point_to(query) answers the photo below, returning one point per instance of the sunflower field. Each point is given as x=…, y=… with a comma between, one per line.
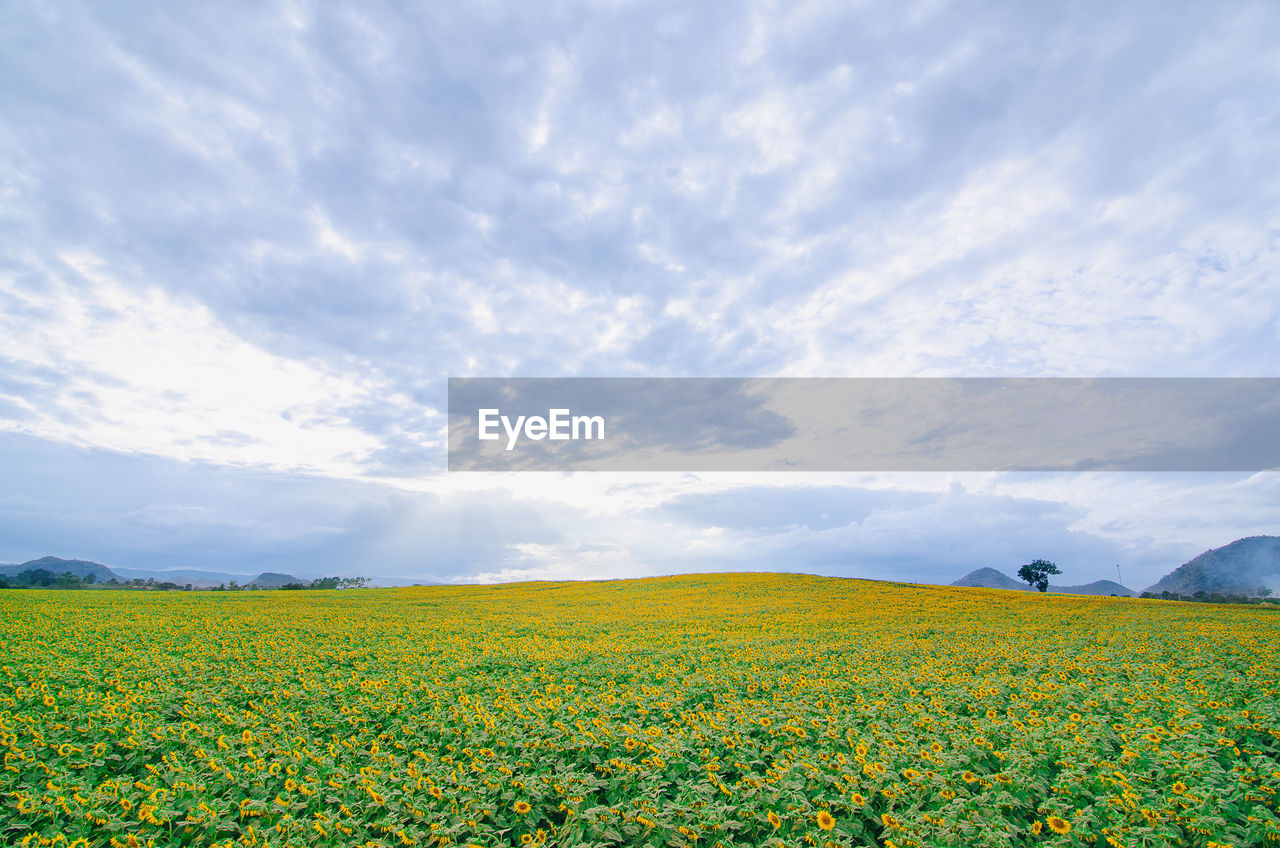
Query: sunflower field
x=705, y=710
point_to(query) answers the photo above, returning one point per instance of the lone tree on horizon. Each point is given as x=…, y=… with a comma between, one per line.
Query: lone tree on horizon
x=1037, y=573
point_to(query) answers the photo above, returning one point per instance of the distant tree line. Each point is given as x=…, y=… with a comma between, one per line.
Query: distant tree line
x=42, y=578
x=1260, y=595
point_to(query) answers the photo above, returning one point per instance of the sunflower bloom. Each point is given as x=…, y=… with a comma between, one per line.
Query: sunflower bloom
x=521, y=807
x=1058, y=825
x=825, y=821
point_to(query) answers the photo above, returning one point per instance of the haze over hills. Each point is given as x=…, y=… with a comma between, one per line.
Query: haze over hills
x=1097, y=587
x=102, y=574
x=79, y=567
x=198, y=578
x=182, y=576
x=272, y=579
x=1242, y=567
x=990, y=578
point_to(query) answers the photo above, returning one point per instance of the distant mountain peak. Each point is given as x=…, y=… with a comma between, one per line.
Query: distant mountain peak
x=79, y=567
x=1240, y=568
x=272, y=579
x=990, y=578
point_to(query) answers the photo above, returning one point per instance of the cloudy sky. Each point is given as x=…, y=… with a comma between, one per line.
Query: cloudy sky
x=245, y=246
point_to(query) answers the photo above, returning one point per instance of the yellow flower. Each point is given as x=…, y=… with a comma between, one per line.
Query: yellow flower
x=1179, y=788
x=969, y=777
x=49, y=700
x=825, y=821
x=889, y=821
x=857, y=799
x=1037, y=827
x=1058, y=825
x=774, y=820
x=521, y=807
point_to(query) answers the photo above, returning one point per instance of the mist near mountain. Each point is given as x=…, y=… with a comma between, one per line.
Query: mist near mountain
x=990, y=578
x=1241, y=568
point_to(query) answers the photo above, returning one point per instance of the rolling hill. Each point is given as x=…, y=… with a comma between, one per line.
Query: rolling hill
x=272, y=579
x=1241, y=568
x=102, y=574
x=198, y=579
x=990, y=578
x=1097, y=587
x=79, y=567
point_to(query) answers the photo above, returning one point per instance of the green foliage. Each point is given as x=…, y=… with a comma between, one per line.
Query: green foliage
x=1203, y=597
x=1037, y=573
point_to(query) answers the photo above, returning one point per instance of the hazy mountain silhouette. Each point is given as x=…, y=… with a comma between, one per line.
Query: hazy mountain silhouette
x=1241, y=568
x=990, y=578
x=270, y=579
x=81, y=568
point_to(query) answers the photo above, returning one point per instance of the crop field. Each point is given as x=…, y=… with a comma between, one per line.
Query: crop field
x=699, y=711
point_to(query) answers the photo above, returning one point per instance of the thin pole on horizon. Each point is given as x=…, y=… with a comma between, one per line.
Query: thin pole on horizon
x=1119, y=579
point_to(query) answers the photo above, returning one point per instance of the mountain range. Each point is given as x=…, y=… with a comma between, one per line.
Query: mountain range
x=1243, y=567
x=989, y=578
x=103, y=574
x=1240, y=568
x=79, y=567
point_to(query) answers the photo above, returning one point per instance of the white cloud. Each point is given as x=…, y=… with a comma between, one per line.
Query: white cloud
x=148, y=372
